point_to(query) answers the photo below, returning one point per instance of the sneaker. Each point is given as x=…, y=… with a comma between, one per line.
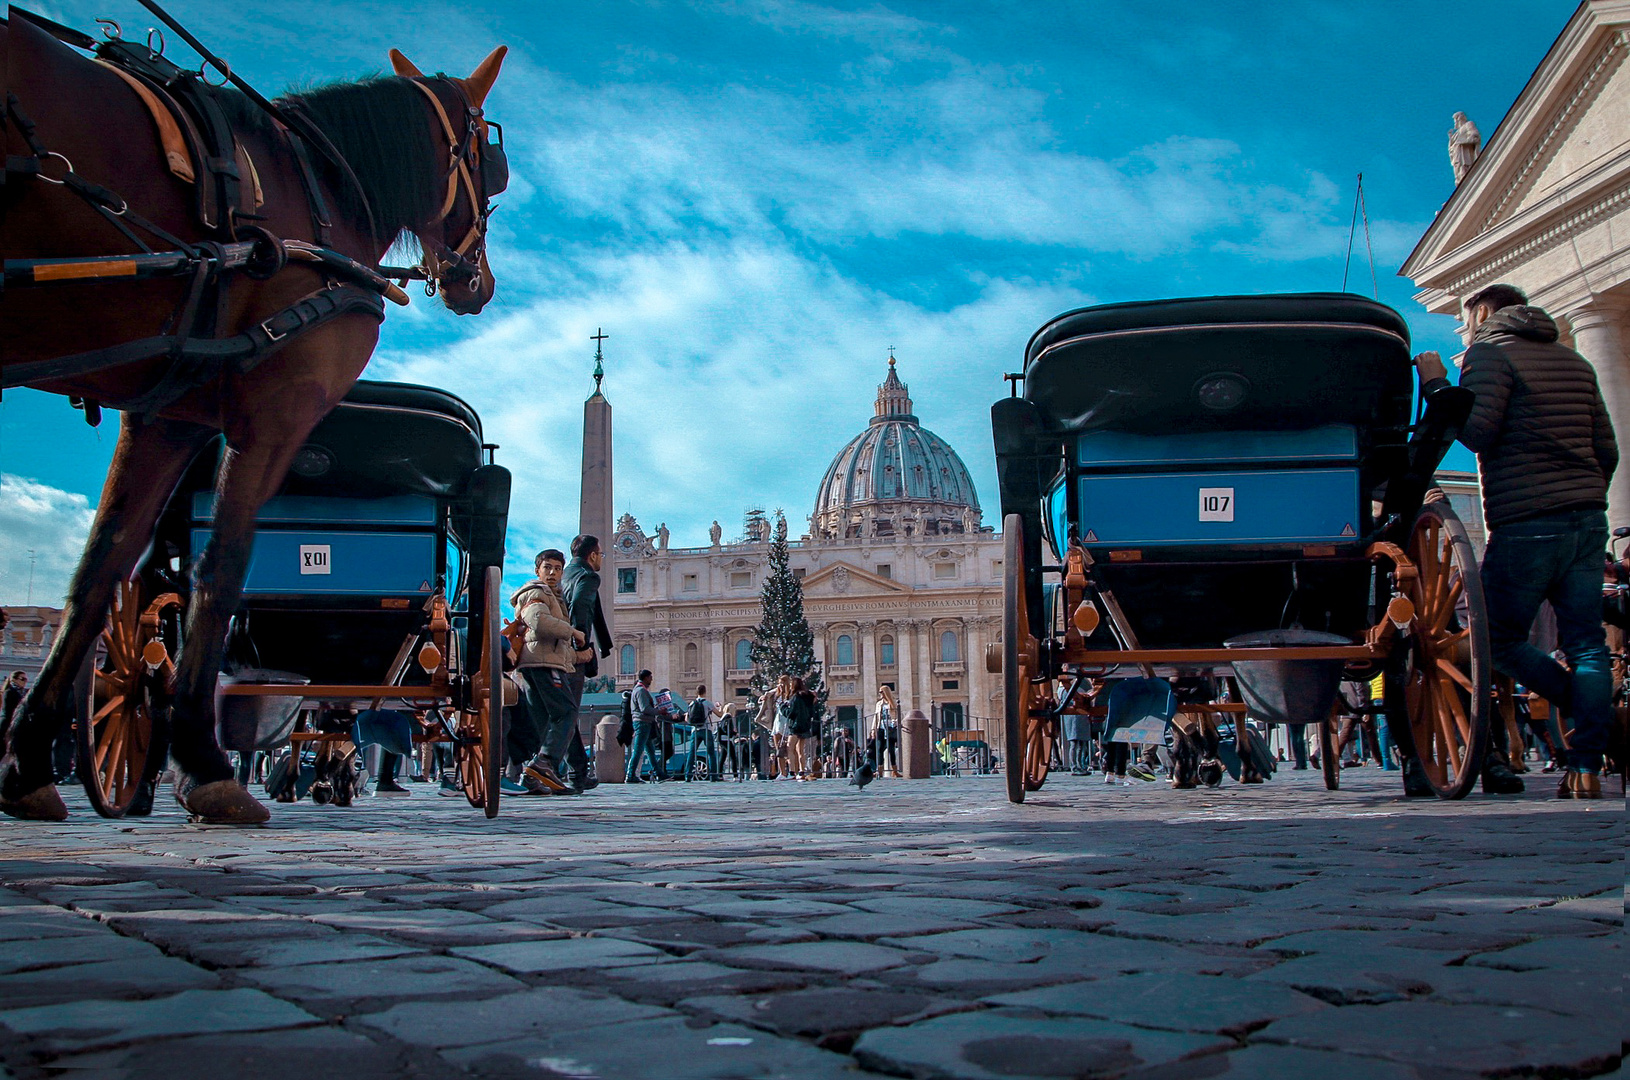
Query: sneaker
x=506, y=786
x=1109, y=778
x=540, y=773
x=1140, y=771
x=390, y=789
x=450, y=788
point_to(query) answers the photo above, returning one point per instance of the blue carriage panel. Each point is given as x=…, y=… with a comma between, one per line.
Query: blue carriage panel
x=1332, y=443
x=1280, y=506
x=313, y=562
x=398, y=510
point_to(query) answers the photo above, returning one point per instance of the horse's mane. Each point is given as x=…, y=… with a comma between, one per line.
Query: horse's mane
x=380, y=125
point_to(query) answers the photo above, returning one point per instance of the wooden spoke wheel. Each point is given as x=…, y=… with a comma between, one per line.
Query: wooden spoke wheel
x=1330, y=748
x=119, y=746
x=1028, y=736
x=1447, y=691
x=480, y=755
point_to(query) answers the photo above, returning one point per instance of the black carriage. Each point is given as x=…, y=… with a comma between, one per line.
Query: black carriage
x=1236, y=489
x=374, y=585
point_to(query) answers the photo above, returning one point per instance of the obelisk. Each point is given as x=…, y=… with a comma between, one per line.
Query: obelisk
x=594, y=508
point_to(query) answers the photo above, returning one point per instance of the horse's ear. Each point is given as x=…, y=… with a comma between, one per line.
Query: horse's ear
x=403, y=66
x=484, y=75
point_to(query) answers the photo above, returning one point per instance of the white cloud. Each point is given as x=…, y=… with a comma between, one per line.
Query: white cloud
x=47, y=522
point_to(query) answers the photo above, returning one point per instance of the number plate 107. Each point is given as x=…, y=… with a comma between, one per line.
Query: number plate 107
x=1217, y=504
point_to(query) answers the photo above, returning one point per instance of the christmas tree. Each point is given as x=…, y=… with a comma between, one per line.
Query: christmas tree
x=782, y=642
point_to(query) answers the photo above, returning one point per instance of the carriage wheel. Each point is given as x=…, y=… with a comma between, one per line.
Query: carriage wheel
x=1330, y=748
x=115, y=726
x=1028, y=738
x=480, y=754
x=1447, y=683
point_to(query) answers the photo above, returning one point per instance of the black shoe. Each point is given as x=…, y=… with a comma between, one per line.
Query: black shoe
x=1498, y=779
x=1416, y=785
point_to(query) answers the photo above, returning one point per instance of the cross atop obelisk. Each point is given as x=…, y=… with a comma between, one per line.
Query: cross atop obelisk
x=599, y=338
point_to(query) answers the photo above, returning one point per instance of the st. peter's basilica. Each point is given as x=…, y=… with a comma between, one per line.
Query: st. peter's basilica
x=902, y=582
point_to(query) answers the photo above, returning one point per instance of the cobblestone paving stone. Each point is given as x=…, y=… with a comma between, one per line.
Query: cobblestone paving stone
x=924, y=929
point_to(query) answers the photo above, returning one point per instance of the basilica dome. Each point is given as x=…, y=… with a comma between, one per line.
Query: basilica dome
x=896, y=478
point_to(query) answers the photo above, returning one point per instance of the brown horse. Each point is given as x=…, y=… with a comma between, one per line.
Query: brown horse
x=414, y=149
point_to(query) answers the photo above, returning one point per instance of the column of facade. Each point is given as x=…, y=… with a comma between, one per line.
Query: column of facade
x=661, y=658
x=715, y=665
x=868, y=665
x=904, y=690
x=926, y=683
x=819, y=633
x=1599, y=336
x=974, y=660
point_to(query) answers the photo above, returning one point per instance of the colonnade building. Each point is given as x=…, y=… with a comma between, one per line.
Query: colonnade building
x=902, y=583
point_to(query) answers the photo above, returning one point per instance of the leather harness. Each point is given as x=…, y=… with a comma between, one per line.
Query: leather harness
x=198, y=143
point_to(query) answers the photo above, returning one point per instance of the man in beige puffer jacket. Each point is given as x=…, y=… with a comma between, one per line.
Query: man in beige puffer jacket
x=548, y=658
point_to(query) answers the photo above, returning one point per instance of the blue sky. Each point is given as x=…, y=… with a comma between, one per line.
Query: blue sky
x=756, y=200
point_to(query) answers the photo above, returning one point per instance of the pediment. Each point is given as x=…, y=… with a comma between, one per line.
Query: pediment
x=1565, y=125
x=843, y=578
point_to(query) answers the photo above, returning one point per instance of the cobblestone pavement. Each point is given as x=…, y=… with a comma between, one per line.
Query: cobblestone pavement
x=808, y=930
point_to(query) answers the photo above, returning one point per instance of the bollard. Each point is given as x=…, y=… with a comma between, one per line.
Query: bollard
x=915, y=736
x=608, y=752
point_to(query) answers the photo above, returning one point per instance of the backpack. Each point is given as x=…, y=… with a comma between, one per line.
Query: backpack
x=697, y=715
x=625, y=730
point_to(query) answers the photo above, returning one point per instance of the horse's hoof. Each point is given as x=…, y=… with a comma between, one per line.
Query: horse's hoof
x=41, y=804
x=223, y=802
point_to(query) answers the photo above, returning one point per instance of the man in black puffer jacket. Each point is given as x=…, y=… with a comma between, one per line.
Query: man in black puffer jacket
x=1546, y=452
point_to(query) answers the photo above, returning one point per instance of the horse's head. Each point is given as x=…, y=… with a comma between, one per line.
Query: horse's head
x=455, y=243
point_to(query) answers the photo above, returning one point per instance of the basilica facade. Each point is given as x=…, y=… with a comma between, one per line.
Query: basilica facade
x=902, y=583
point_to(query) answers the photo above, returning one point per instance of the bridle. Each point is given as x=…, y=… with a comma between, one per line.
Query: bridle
x=469, y=154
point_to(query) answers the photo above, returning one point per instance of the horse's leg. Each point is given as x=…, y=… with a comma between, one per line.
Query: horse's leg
x=147, y=461
x=251, y=472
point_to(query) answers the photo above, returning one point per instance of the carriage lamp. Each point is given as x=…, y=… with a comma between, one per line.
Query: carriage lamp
x=1221, y=391
x=1401, y=611
x=154, y=653
x=993, y=658
x=430, y=656
x=1086, y=618
x=311, y=461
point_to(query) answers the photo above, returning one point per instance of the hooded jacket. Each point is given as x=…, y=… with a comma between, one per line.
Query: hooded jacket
x=548, y=634
x=1541, y=433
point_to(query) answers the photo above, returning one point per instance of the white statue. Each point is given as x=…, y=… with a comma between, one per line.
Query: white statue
x=662, y=537
x=715, y=532
x=1464, y=142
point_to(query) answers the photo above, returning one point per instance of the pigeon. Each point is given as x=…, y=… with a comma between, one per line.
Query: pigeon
x=862, y=776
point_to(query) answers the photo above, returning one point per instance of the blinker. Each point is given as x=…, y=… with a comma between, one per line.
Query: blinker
x=494, y=164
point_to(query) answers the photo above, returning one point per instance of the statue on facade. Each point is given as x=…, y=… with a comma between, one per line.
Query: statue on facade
x=780, y=528
x=716, y=532
x=662, y=537
x=1464, y=142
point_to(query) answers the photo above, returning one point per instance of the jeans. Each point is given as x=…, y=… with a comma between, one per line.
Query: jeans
x=1557, y=557
x=1296, y=735
x=548, y=699
x=699, y=734
x=649, y=743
